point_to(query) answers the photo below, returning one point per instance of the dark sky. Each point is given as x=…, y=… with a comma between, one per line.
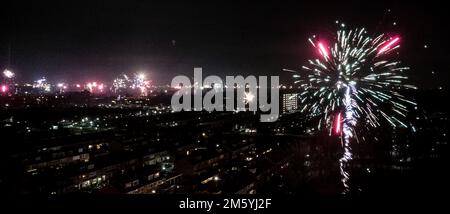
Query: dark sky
x=77, y=41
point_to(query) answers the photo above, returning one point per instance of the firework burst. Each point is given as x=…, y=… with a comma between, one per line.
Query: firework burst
x=354, y=80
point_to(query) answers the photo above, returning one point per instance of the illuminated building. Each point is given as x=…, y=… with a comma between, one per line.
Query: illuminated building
x=289, y=102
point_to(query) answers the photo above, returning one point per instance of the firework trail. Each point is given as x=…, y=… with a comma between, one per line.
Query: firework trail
x=354, y=80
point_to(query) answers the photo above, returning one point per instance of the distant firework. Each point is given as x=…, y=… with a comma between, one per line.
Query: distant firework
x=42, y=85
x=8, y=74
x=137, y=82
x=4, y=88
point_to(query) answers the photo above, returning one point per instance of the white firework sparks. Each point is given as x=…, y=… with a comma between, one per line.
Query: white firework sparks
x=139, y=81
x=362, y=63
x=356, y=78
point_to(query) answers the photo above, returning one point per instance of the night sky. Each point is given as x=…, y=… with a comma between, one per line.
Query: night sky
x=82, y=41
